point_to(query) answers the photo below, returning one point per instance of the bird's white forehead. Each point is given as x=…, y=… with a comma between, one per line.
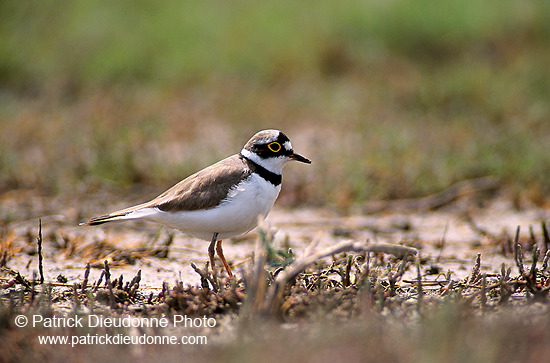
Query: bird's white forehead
x=287, y=145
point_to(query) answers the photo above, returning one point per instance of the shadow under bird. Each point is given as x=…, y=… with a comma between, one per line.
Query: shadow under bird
x=224, y=200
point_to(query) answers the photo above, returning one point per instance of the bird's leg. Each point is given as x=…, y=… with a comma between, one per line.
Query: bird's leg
x=211, y=250
x=222, y=257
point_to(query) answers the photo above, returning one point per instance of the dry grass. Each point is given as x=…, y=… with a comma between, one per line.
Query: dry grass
x=365, y=306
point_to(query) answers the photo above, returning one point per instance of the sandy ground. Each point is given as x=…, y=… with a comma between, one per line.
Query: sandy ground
x=445, y=238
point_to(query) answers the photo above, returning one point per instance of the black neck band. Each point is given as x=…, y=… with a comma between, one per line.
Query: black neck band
x=270, y=176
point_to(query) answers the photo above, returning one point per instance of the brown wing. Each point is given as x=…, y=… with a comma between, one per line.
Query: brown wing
x=204, y=189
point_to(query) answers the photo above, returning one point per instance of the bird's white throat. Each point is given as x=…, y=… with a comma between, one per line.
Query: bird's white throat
x=273, y=164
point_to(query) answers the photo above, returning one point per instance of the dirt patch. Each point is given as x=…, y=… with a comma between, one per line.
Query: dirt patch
x=474, y=259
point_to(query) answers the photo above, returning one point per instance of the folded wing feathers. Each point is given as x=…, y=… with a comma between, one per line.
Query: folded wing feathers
x=199, y=191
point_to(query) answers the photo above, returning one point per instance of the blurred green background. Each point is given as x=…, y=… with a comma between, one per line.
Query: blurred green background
x=390, y=99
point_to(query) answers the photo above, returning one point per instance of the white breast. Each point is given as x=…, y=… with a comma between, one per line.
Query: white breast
x=246, y=204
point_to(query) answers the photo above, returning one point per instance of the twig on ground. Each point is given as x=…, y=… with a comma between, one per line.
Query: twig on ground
x=420, y=291
x=21, y=280
x=545, y=261
x=392, y=278
x=112, y=299
x=118, y=283
x=346, y=279
x=203, y=276
x=476, y=275
x=448, y=283
x=505, y=289
x=546, y=236
x=533, y=270
x=518, y=255
x=275, y=292
x=99, y=281
x=40, y=259
x=134, y=285
x=86, y=276
x=33, y=281
x=107, y=271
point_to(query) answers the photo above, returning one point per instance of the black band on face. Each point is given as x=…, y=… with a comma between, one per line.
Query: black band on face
x=273, y=178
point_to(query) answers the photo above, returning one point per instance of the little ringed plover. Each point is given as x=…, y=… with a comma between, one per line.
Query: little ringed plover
x=223, y=200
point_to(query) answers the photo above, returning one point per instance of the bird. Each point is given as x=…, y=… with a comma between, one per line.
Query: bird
x=224, y=200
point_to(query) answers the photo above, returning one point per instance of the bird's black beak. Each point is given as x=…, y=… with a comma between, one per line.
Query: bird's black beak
x=299, y=158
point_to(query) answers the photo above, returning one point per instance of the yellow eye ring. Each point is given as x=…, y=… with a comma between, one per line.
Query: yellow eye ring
x=274, y=146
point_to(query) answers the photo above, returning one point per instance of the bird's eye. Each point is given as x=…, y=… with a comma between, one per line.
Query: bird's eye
x=274, y=146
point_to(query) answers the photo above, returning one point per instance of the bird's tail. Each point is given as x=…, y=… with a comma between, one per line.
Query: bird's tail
x=136, y=212
x=103, y=219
